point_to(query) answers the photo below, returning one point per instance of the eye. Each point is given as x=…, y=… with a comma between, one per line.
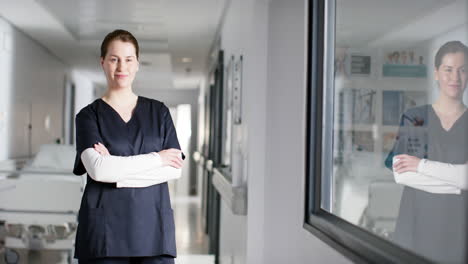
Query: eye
x=113, y=59
x=129, y=60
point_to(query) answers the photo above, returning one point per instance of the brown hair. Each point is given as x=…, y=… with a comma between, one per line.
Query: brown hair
x=450, y=47
x=122, y=35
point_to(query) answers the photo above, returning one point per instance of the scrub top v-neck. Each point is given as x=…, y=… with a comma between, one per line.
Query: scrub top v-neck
x=124, y=222
x=117, y=114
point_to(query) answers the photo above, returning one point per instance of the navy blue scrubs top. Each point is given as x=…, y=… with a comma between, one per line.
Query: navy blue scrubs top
x=125, y=222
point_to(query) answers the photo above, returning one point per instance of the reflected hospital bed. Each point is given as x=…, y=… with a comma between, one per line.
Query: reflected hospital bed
x=39, y=203
x=367, y=194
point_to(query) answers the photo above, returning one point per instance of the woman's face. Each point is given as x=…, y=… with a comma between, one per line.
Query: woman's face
x=120, y=64
x=451, y=75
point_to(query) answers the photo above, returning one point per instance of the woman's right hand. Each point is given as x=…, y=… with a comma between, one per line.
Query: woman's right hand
x=171, y=157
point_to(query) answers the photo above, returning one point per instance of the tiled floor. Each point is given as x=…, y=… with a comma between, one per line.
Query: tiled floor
x=192, y=243
x=194, y=259
x=190, y=237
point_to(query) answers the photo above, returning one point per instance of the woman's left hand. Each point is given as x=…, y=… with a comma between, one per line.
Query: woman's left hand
x=405, y=163
x=99, y=147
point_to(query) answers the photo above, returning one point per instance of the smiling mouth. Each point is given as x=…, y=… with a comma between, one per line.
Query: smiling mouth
x=120, y=75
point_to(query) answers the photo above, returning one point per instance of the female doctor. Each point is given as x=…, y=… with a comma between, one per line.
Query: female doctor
x=129, y=149
x=430, y=158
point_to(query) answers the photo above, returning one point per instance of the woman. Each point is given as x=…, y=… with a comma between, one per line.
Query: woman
x=128, y=146
x=432, y=139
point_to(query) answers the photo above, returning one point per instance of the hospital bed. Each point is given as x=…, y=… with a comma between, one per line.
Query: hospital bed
x=367, y=194
x=39, y=203
x=381, y=212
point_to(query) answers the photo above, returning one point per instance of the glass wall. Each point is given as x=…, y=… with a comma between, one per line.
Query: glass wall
x=395, y=123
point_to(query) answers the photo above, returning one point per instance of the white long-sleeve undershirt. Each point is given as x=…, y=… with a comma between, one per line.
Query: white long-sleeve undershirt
x=436, y=177
x=133, y=171
x=425, y=183
x=160, y=175
x=453, y=174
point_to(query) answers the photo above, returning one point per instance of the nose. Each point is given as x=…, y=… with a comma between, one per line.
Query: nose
x=456, y=76
x=121, y=65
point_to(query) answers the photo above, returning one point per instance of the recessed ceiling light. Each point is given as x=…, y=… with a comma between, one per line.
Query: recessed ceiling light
x=186, y=60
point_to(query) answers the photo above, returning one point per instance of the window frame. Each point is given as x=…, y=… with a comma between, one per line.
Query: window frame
x=227, y=127
x=354, y=242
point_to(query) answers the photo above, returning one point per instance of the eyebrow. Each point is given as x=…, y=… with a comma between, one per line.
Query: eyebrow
x=448, y=66
x=131, y=56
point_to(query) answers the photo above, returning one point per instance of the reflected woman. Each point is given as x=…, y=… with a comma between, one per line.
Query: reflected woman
x=428, y=158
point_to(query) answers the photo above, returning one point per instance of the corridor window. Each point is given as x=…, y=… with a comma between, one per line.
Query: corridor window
x=388, y=127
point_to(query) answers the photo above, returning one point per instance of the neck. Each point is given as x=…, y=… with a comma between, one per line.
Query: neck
x=449, y=105
x=119, y=96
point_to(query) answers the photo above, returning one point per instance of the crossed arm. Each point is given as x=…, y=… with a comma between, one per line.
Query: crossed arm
x=430, y=176
x=133, y=171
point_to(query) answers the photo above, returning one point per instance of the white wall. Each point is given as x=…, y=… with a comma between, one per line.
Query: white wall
x=32, y=87
x=271, y=36
x=32, y=91
x=245, y=33
x=6, y=86
x=255, y=104
x=286, y=240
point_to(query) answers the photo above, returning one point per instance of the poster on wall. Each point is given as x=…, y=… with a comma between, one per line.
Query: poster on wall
x=395, y=103
x=357, y=106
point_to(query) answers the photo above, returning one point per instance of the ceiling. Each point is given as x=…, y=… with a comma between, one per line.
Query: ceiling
x=167, y=32
x=398, y=22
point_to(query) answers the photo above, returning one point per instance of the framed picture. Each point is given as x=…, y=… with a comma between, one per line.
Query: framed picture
x=357, y=106
x=237, y=91
x=227, y=112
x=360, y=64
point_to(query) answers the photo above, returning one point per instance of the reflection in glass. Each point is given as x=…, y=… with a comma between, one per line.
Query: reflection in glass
x=435, y=132
x=398, y=88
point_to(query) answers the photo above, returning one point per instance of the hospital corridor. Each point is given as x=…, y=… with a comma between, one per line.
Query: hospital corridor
x=233, y=131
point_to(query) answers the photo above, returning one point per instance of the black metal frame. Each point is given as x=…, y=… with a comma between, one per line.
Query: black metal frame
x=354, y=242
x=212, y=151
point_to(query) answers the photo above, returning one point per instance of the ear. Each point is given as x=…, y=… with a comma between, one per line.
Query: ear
x=436, y=74
x=102, y=61
x=138, y=66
